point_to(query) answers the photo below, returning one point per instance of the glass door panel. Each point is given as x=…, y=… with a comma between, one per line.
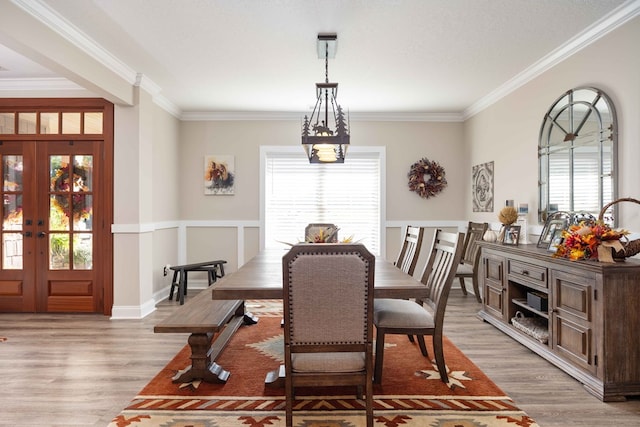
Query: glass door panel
x=12, y=226
x=70, y=212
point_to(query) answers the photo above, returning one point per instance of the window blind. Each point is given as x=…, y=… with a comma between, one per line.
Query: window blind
x=585, y=184
x=298, y=193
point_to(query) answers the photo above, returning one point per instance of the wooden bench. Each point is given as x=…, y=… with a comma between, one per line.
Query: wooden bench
x=214, y=269
x=204, y=317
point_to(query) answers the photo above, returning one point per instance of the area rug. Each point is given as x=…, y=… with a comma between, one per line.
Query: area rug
x=411, y=393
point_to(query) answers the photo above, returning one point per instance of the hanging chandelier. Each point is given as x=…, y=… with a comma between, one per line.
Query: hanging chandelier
x=325, y=135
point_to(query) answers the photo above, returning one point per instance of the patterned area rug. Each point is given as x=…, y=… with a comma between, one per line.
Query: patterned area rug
x=411, y=393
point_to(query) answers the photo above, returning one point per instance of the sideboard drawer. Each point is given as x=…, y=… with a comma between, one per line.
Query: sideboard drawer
x=530, y=273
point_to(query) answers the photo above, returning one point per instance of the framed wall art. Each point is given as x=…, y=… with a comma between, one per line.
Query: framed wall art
x=219, y=174
x=482, y=187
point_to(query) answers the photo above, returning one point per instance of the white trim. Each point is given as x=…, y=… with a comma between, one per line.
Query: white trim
x=133, y=311
x=52, y=19
x=599, y=29
x=48, y=16
x=461, y=225
x=39, y=84
x=297, y=116
x=223, y=223
x=133, y=228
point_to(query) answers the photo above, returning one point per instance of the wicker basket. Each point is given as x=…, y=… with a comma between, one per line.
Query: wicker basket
x=535, y=327
x=632, y=247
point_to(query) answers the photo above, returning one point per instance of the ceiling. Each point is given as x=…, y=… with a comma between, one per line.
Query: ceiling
x=393, y=56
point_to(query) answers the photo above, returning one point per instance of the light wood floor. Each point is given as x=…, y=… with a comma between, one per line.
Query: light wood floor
x=81, y=370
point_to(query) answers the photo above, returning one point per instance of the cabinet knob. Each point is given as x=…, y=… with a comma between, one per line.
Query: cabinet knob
x=525, y=272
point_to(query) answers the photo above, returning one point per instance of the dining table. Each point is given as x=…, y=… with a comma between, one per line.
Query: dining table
x=261, y=278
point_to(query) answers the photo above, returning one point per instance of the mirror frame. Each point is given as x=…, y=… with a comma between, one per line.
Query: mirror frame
x=606, y=120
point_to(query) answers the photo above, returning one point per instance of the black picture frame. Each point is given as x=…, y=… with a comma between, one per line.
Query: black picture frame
x=557, y=220
x=511, y=235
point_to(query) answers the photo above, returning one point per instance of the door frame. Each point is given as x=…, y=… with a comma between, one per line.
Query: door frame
x=104, y=268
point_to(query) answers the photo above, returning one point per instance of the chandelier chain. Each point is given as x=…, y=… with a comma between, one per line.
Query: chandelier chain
x=326, y=62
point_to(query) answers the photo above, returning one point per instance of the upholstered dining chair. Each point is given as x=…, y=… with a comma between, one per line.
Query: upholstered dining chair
x=328, y=319
x=410, y=251
x=420, y=318
x=468, y=266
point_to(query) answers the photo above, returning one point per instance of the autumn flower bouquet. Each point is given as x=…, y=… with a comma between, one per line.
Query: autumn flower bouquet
x=590, y=241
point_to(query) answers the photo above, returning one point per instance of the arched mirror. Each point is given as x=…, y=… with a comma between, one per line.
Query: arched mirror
x=577, y=155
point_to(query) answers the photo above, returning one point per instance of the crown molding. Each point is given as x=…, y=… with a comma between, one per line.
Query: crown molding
x=49, y=17
x=38, y=84
x=599, y=29
x=297, y=116
x=45, y=14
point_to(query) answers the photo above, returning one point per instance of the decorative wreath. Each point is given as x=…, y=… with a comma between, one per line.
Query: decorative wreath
x=65, y=185
x=426, y=178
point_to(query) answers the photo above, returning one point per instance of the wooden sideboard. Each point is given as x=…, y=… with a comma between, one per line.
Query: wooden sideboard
x=592, y=319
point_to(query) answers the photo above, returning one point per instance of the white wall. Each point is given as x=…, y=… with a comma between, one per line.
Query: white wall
x=507, y=132
x=406, y=143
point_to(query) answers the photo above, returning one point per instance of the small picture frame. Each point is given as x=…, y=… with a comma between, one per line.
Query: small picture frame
x=523, y=208
x=556, y=240
x=548, y=232
x=511, y=235
x=556, y=221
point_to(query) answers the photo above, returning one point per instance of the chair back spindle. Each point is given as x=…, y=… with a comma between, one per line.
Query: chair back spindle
x=410, y=251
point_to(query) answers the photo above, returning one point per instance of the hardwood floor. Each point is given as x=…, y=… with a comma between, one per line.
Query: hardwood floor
x=81, y=370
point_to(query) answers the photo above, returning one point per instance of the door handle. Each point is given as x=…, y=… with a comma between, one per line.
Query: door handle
x=28, y=234
x=41, y=234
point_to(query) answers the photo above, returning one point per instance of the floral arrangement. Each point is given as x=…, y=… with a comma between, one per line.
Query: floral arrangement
x=427, y=178
x=328, y=235
x=324, y=235
x=590, y=241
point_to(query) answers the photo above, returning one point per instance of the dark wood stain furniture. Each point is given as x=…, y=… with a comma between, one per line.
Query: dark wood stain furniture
x=214, y=269
x=322, y=346
x=410, y=251
x=468, y=266
x=593, y=315
x=426, y=315
x=203, y=317
x=261, y=278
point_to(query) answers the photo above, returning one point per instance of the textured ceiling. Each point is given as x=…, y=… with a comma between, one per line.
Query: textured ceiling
x=393, y=56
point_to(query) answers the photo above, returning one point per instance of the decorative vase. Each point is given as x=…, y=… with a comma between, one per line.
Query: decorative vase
x=490, y=236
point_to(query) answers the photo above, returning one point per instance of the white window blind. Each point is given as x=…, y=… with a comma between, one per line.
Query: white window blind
x=298, y=193
x=586, y=177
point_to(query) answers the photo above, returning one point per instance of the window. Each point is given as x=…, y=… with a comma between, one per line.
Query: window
x=297, y=193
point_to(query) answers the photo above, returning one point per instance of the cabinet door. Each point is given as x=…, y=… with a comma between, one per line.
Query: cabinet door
x=493, y=285
x=572, y=334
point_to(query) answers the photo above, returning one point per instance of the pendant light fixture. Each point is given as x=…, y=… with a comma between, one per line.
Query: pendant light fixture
x=325, y=135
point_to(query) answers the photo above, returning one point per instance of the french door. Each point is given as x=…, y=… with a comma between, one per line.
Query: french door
x=55, y=242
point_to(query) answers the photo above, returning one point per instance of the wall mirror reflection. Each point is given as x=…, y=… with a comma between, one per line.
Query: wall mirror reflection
x=577, y=154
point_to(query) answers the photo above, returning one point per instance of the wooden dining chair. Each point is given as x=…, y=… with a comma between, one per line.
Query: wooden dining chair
x=312, y=230
x=410, y=251
x=468, y=266
x=328, y=326
x=420, y=318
